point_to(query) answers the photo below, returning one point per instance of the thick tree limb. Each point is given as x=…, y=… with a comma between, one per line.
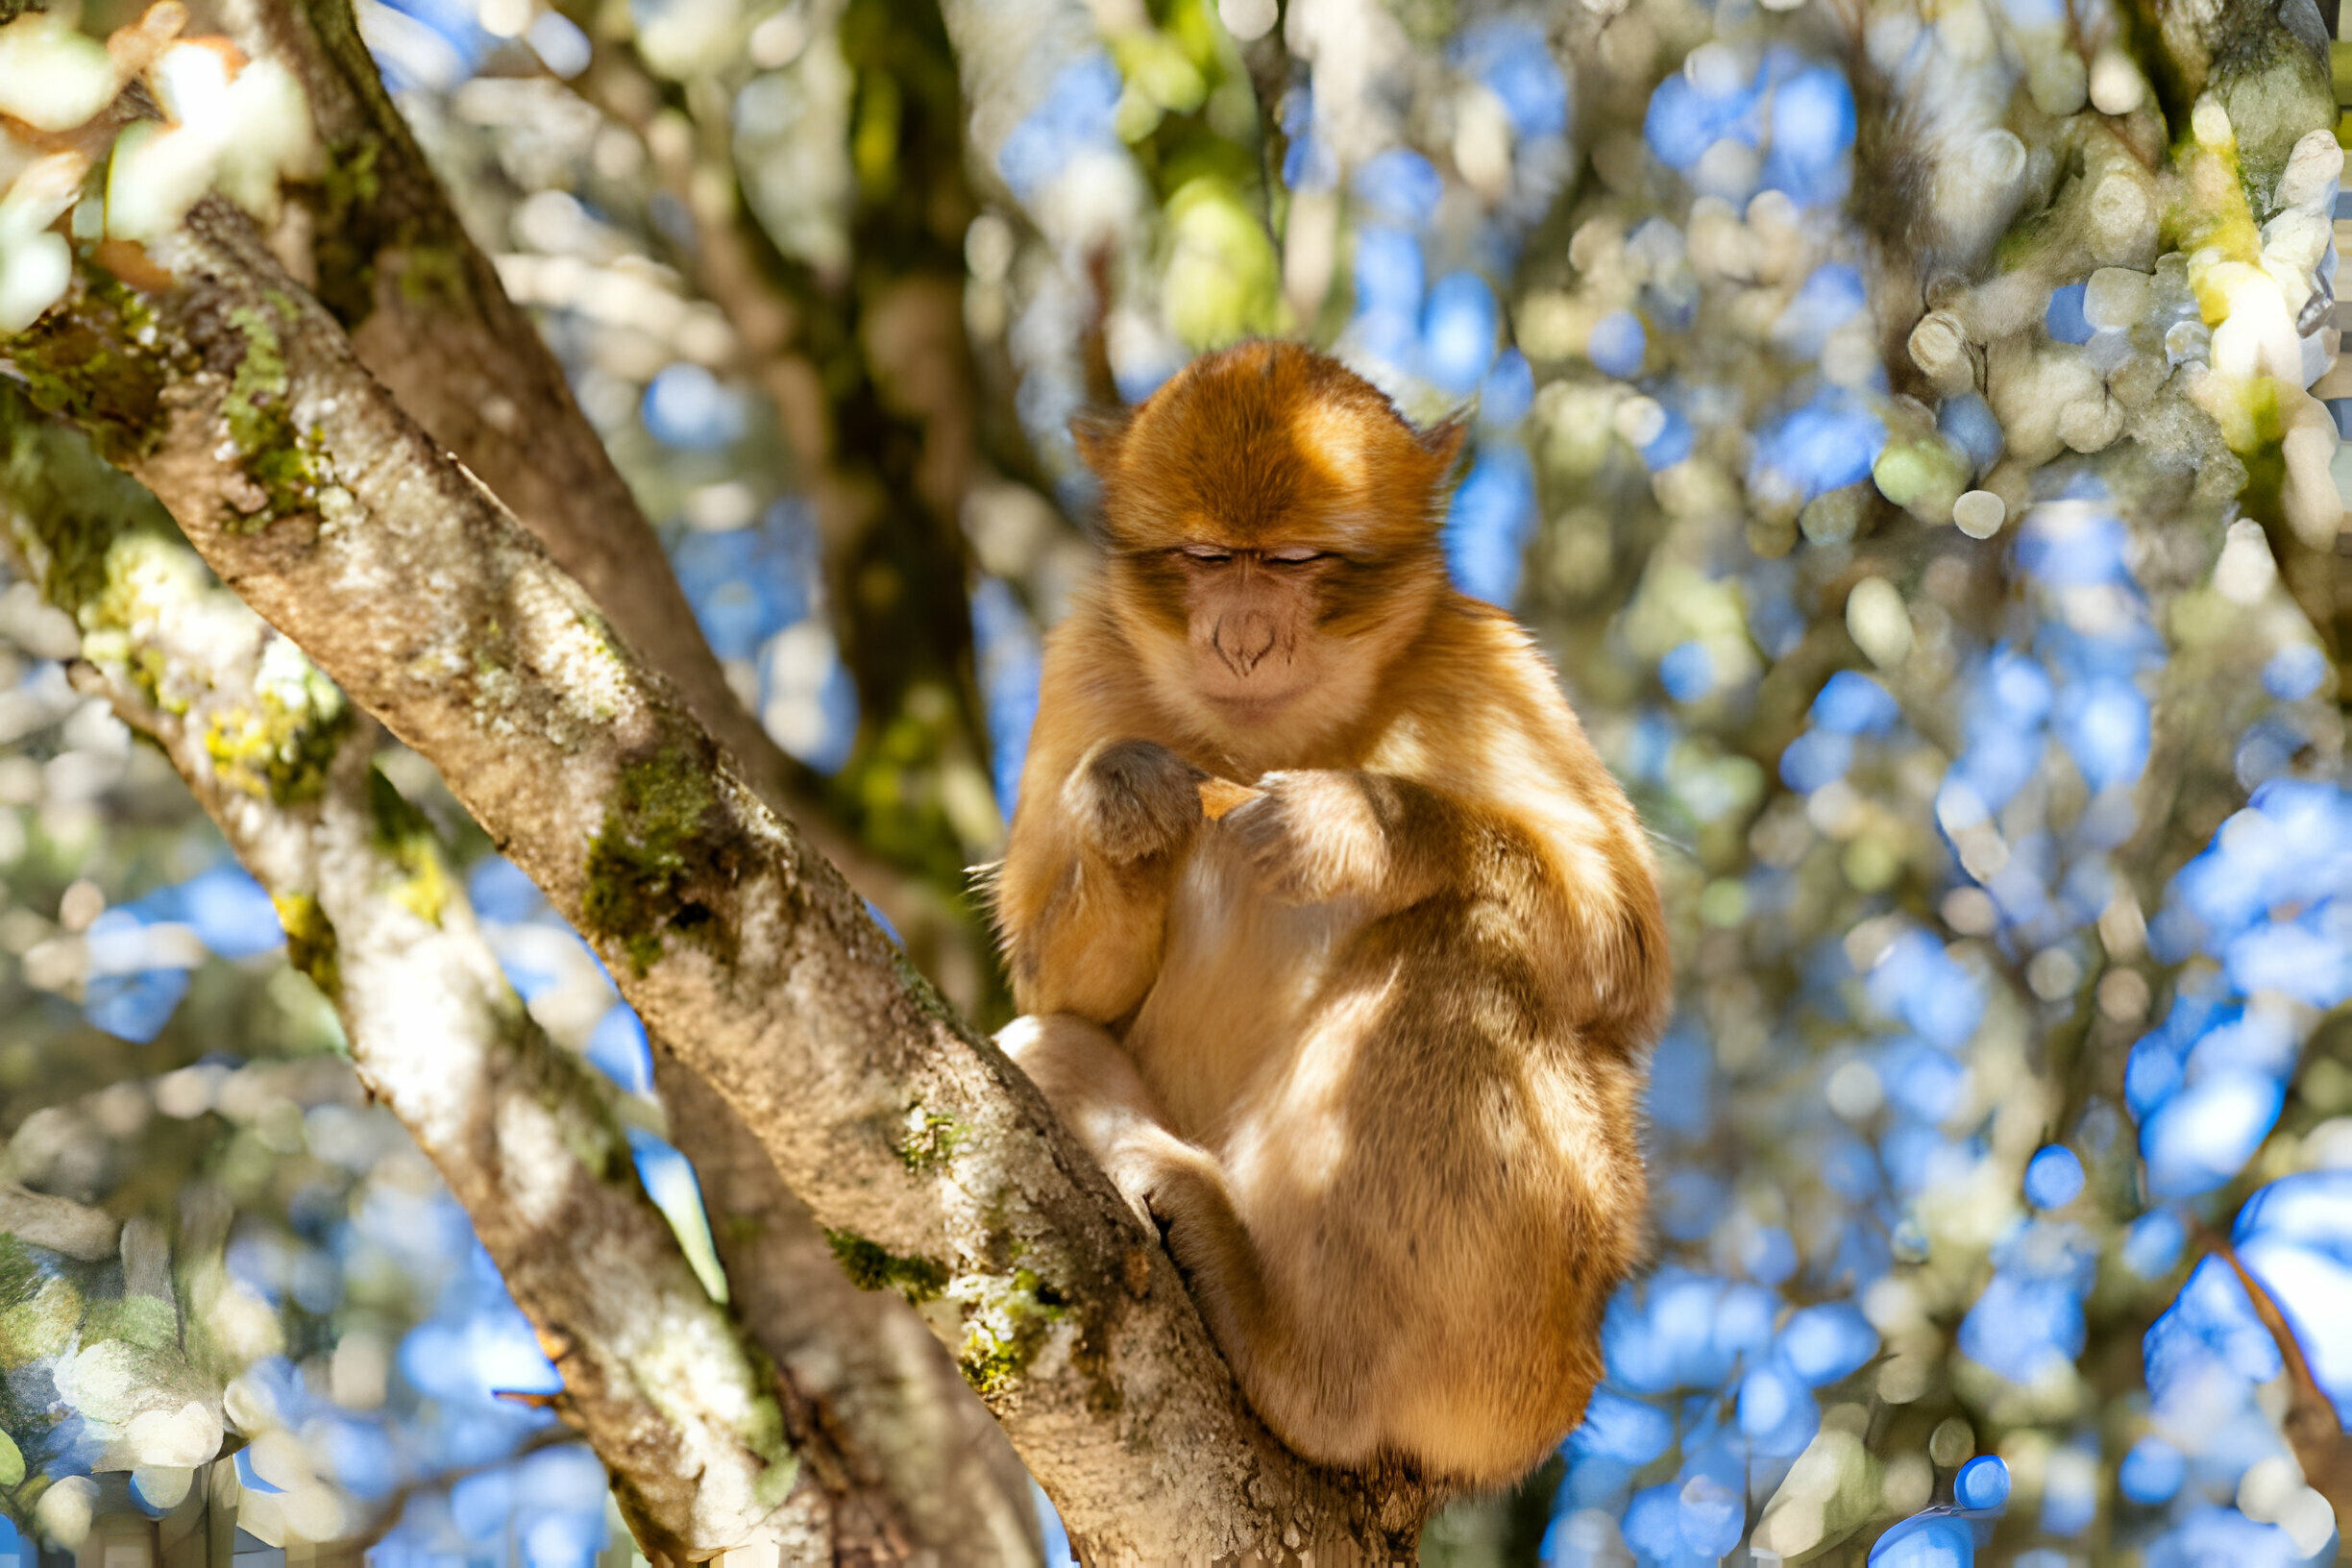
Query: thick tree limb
x=426, y=315
x=870, y=376
x=713, y=1445
x=934, y=1166
x=860, y=1361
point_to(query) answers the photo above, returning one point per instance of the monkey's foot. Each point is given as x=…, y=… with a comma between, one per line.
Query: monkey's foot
x=1094, y=1087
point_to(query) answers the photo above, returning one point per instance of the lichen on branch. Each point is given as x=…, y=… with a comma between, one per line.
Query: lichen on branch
x=645, y=862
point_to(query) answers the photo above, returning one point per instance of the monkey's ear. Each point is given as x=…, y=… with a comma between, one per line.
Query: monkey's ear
x=1443, y=442
x=1099, y=437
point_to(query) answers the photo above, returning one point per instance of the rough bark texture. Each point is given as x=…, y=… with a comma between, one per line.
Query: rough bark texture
x=869, y=373
x=378, y=239
x=883, y=1416
x=934, y=1166
x=717, y=1438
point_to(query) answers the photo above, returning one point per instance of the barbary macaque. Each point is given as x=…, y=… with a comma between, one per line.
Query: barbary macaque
x=1335, y=941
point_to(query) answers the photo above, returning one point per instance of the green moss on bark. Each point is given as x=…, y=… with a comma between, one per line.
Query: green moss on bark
x=362, y=227
x=1006, y=1316
x=871, y=1267
x=345, y=247
x=931, y=1140
x=645, y=862
x=71, y=510
x=98, y=361
x=311, y=939
x=1006, y=1319
x=286, y=463
x=281, y=749
x=409, y=840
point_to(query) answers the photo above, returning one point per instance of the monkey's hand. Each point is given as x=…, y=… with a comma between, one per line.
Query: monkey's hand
x=1134, y=798
x=1315, y=835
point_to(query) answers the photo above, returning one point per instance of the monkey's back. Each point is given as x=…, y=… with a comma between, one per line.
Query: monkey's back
x=1438, y=1177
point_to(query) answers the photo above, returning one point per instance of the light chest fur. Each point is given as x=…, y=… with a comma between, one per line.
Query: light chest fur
x=1239, y=1031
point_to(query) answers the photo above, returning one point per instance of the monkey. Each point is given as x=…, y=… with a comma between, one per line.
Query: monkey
x=1334, y=939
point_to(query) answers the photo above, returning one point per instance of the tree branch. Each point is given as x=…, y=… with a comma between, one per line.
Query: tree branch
x=426, y=313
x=935, y=1167
x=871, y=377
x=870, y=1376
x=2309, y=1424
x=699, y=1428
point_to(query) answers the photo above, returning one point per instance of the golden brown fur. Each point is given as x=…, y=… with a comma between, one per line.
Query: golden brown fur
x=1368, y=1045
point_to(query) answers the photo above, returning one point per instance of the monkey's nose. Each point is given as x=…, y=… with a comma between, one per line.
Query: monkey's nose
x=1243, y=639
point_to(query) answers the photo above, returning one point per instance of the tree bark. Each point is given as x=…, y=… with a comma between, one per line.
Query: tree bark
x=870, y=377
x=380, y=242
x=720, y=1436
x=923, y=1464
x=934, y=1166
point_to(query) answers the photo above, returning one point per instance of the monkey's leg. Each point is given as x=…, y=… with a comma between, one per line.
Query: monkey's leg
x=1289, y=1386
x=1093, y=1087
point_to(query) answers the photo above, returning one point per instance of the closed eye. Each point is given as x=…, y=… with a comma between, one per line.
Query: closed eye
x=1298, y=557
x=1207, y=555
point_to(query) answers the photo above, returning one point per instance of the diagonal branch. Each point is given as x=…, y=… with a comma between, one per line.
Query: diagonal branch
x=2308, y=1423
x=935, y=1167
x=904, y=1431
x=426, y=313
x=713, y=1443
x=869, y=370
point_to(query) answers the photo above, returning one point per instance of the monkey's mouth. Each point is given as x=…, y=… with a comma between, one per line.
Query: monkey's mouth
x=1254, y=691
x=1255, y=704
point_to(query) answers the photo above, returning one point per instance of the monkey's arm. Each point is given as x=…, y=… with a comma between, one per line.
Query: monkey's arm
x=1380, y=838
x=1082, y=898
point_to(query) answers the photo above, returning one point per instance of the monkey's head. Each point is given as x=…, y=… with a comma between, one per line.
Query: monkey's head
x=1272, y=525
